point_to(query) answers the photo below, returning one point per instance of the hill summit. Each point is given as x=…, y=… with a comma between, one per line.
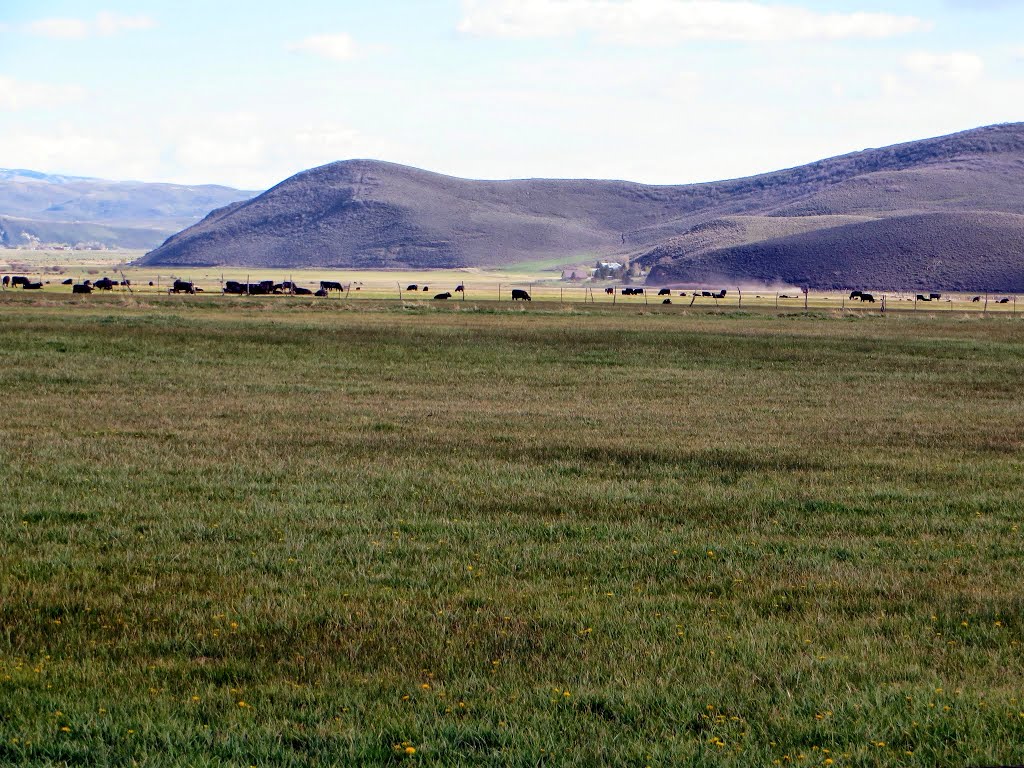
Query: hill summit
x=943, y=213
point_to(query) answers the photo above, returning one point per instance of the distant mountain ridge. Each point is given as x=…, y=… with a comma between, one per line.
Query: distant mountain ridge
x=42, y=208
x=914, y=215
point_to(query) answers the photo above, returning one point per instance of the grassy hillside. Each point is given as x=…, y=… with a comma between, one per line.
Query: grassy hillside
x=300, y=534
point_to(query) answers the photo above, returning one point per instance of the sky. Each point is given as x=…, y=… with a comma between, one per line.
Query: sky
x=656, y=91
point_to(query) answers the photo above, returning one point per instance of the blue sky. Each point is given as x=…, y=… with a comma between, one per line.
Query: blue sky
x=659, y=91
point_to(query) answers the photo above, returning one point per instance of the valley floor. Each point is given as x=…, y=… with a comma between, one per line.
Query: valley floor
x=289, y=533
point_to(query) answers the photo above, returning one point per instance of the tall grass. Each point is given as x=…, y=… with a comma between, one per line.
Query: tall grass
x=283, y=534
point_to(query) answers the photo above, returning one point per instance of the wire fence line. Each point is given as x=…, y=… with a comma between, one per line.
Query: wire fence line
x=527, y=291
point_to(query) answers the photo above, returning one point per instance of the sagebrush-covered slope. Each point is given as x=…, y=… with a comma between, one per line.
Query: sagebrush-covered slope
x=369, y=214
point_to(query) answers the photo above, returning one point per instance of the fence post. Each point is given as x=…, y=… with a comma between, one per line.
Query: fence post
x=399, y=291
x=776, y=299
x=499, y=291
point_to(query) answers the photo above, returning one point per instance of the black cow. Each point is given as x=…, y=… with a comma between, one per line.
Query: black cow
x=667, y=301
x=460, y=289
x=298, y=290
x=517, y=294
x=6, y=280
x=935, y=296
x=426, y=288
x=31, y=286
x=856, y=294
x=632, y=291
x=233, y=287
x=19, y=280
x=976, y=298
x=442, y=296
x=104, y=284
x=706, y=293
x=920, y=297
x=682, y=293
x=609, y=291
x=330, y=285
x=179, y=286
x=869, y=298
x=665, y=292
x=1003, y=301
x=412, y=287
x=719, y=295
x=321, y=294
x=69, y=281
x=81, y=289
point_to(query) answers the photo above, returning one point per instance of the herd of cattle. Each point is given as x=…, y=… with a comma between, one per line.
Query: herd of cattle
x=269, y=287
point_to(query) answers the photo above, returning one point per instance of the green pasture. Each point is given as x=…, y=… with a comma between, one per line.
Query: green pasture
x=290, y=532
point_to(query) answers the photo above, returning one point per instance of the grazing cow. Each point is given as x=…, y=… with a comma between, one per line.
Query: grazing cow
x=321, y=294
x=682, y=293
x=412, y=287
x=298, y=290
x=81, y=289
x=920, y=297
x=330, y=285
x=665, y=292
x=19, y=280
x=869, y=298
x=460, y=289
x=104, y=284
x=667, y=301
x=856, y=294
x=69, y=281
x=517, y=294
x=976, y=298
x=426, y=288
x=233, y=287
x=31, y=286
x=442, y=296
x=150, y=283
x=6, y=280
x=609, y=291
x=632, y=291
x=935, y=296
x=706, y=293
x=180, y=286
x=1003, y=301
x=719, y=295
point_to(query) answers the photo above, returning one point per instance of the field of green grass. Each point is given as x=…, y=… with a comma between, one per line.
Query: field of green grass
x=296, y=533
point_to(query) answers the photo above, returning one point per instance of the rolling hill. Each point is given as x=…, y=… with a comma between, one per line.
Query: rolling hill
x=941, y=213
x=69, y=210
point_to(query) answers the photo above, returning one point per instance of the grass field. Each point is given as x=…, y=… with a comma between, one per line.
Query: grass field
x=540, y=278
x=297, y=533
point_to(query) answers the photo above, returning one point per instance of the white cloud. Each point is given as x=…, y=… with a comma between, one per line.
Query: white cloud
x=337, y=47
x=957, y=67
x=23, y=94
x=670, y=21
x=105, y=24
